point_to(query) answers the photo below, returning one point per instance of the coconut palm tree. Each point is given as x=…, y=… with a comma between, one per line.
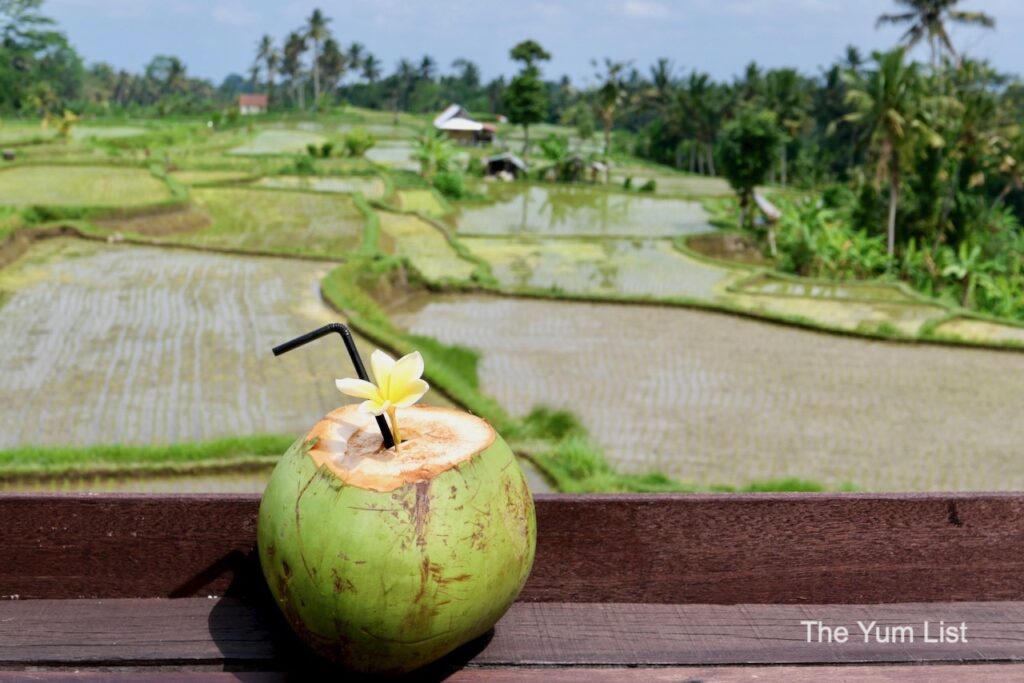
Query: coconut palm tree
x=371, y=68
x=787, y=95
x=610, y=95
x=267, y=53
x=291, y=66
x=885, y=106
x=333, y=64
x=317, y=32
x=354, y=56
x=928, y=20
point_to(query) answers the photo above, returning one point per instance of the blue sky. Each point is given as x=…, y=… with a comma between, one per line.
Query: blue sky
x=216, y=37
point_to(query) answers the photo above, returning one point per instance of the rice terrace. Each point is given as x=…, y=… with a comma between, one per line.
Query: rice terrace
x=601, y=281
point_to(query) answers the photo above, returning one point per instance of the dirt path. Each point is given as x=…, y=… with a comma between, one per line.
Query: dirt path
x=713, y=398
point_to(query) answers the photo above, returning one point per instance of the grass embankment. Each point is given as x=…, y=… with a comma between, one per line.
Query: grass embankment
x=179, y=458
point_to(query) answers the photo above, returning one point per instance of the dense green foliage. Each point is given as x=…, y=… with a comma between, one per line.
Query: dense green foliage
x=747, y=149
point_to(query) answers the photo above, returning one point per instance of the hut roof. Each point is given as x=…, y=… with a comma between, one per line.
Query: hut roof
x=451, y=112
x=252, y=100
x=510, y=158
x=460, y=123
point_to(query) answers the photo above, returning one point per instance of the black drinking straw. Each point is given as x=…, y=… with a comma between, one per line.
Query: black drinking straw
x=353, y=352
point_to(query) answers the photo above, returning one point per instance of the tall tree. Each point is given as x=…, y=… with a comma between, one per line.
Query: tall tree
x=747, y=149
x=354, y=56
x=291, y=66
x=268, y=55
x=928, y=20
x=317, y=32
x=786, y=95
x=333, y=65
x=885, y=103
x=526, y=97
x=610, y=95
x=371, y=68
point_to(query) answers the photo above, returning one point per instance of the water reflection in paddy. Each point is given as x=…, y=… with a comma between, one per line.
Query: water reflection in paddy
x=519, y=209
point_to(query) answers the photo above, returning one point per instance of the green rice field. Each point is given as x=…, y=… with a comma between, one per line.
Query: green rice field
x=80, y=186
x=300, y=223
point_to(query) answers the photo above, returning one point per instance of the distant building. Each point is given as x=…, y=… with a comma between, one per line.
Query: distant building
x=459, y=126
x=252, y=104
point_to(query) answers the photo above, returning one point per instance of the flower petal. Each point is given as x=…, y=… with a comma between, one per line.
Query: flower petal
x=357, y=387
x=374, y=407
x=413, y=391
x=382, y=365
x=406, y=370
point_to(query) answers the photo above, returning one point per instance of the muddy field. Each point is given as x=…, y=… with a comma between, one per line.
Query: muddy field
x=713, y=398
x=102, y=344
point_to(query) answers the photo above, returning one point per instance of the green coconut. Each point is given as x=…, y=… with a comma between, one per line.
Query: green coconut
x=386, y=560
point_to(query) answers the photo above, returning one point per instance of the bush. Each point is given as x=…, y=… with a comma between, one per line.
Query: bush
x=303, y=165
x=627, y=184
x=312, y=150
x=650, y=186
x=326, y=149
x=358, y=142
x=475, y=166
x=451, y=184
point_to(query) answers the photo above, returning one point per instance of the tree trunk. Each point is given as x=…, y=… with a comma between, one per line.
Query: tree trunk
x=316, y=73
x=607, y=137
x=526, y=141
x=783, y=165
x=711, y=160
x=894, y=199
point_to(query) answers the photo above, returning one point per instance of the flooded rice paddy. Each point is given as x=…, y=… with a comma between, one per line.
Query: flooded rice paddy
x=115, y=344
x=769, y=283
x=612, y=267
x=393, y=154
x=714, y=398
x=424, y=245
x=570, y=211
x=80, y=186
x=370, y=186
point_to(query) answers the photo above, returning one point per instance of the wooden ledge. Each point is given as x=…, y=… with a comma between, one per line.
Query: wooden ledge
x=676, y=549
x=241, y=634
x=705, y=587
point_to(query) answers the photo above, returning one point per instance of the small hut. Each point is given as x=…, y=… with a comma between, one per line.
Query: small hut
x=252, y=104
x=506, y=165
x=459, y=126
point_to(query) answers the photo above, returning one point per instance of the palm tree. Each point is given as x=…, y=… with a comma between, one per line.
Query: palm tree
x=332, y=63
x=291, y=66
x=317, y=31
x=355, y=55
x=371, y=68
x=884, y=104
x=609, y=97
x=267, y=53
x=928, y=19
x=790, y=100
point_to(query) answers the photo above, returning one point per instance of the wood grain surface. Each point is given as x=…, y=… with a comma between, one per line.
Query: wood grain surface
x=249, y=634
x=678, y=549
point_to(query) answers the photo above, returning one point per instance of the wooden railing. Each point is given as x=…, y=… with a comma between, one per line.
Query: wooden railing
x=678, y=582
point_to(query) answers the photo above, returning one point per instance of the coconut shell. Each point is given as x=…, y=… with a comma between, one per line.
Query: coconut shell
x=385, y=562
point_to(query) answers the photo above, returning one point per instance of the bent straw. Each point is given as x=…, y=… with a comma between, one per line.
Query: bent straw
x=353, y=352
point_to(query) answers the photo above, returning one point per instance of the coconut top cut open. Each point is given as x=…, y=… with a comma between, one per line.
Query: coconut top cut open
x=349, y=444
